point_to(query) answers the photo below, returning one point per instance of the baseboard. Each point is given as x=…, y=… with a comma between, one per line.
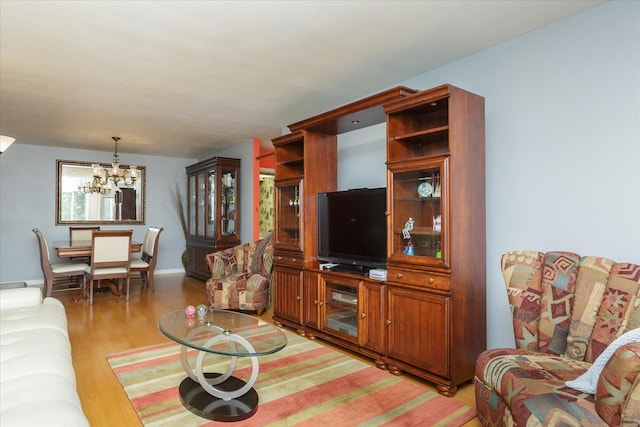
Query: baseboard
x=169, y=272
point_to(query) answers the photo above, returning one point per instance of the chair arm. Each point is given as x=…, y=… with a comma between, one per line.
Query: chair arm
x=20, y=297
x=618, y=390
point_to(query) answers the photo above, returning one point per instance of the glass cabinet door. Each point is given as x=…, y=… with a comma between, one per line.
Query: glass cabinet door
x=211, y=208
x=228, y=202
x=419, y=220
x=341, y=307
x=288, y=211
x=201, y=206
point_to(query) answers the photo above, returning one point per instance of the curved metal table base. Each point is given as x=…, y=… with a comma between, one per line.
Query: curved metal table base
x=219, y=397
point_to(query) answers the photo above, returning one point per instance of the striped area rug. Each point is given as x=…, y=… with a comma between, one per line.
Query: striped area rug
x=304, y=384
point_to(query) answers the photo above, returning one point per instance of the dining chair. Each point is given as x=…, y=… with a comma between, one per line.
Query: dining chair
x=146, y=264
x=57, y=270
x=79, y=236
x=110, y=257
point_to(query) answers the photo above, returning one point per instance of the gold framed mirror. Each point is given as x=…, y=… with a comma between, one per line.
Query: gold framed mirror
x=82, y=198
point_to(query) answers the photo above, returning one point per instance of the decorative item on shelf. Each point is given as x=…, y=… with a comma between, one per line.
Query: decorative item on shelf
x=437, y=223
x=437, y=191
x=408, y=250
x=105, y=179
x=425, y=189
x=408, y=226
x=294, y=202
x=228, y=180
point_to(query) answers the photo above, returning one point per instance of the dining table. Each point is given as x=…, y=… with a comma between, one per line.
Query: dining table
x=82, y=248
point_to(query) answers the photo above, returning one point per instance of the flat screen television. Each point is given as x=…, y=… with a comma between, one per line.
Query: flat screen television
x=352, y=229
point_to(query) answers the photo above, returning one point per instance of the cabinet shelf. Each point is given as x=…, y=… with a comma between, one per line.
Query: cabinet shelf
x=425, y=136
x=298, y=161
x=342, y=303
x=423, y=231
x=417, y=199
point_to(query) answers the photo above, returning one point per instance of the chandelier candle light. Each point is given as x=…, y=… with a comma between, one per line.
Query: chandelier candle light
x=105, y=179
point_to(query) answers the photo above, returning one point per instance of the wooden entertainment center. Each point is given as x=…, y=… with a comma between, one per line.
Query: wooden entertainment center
x=429, y=316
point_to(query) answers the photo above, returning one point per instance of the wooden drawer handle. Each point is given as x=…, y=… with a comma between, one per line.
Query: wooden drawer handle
x=399, y=275
x=430, y=280
x=363, y=315
x=298, y=298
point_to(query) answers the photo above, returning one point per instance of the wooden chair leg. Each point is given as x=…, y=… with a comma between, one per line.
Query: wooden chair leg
x=128, y=286
x=91, y=291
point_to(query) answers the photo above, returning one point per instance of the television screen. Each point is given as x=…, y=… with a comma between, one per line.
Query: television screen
x=352, y=227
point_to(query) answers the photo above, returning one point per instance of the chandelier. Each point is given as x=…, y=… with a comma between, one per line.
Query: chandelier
x=103, y=180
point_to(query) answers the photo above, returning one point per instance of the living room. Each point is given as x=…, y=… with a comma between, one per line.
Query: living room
x=562, y=154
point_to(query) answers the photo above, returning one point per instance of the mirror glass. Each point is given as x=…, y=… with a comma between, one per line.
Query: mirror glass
x=82, y=199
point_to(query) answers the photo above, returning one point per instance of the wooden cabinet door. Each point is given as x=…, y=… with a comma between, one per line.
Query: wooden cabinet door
x=372, y=316
x=418, y=329
x=287, y=288
x=312, y=300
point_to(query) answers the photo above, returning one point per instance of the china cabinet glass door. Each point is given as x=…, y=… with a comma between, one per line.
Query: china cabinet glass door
x=419, y=213
x=289, y=208
x=229, y=196
x=211, y=208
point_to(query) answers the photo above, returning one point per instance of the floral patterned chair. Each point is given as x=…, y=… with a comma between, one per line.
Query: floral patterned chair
x=241, y=277
x=566, y=311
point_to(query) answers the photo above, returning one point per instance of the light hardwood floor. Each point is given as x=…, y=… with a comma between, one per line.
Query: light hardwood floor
x=113, y=324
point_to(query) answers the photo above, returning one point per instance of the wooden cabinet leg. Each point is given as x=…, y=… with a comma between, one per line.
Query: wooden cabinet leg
x=447, y=390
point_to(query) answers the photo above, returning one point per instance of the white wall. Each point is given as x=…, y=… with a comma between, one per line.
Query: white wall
x=27, y=201
x=562, y=141
x=362, y=156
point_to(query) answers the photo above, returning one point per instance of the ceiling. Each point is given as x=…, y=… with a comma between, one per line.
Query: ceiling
x=188, y=78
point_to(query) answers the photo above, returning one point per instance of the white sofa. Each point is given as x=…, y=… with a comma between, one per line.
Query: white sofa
x=37, y=380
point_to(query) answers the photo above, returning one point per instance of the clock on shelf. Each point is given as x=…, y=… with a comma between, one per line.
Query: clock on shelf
x=425, y=189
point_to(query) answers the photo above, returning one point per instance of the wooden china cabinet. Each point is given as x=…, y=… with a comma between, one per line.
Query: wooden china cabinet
x=213, y=211
x=436, y=256
x=428, y=317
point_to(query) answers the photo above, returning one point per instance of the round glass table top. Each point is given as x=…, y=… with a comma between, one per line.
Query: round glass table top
x=196, y=331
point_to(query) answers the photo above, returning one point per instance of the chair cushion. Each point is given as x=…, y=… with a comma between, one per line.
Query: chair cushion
x=239, y=292
x=138, y=263
x=69, y=267
x=98, y=272
x=532, y=388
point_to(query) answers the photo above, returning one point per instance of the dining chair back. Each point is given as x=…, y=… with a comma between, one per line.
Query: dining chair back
x=81, y=235
x=110, y=257
x=146, y=264
x=57, y=270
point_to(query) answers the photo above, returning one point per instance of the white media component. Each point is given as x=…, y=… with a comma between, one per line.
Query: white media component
x=327, y=266
x=378, y=274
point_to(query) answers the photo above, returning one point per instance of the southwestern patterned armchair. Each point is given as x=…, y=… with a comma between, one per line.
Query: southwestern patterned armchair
x=241, y=277
x=566, y=311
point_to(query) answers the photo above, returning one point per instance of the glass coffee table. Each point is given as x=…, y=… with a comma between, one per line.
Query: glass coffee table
x=221, y=396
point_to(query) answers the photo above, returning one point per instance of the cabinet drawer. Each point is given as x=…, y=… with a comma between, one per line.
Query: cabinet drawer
x=419, y=278
x=294, y=260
